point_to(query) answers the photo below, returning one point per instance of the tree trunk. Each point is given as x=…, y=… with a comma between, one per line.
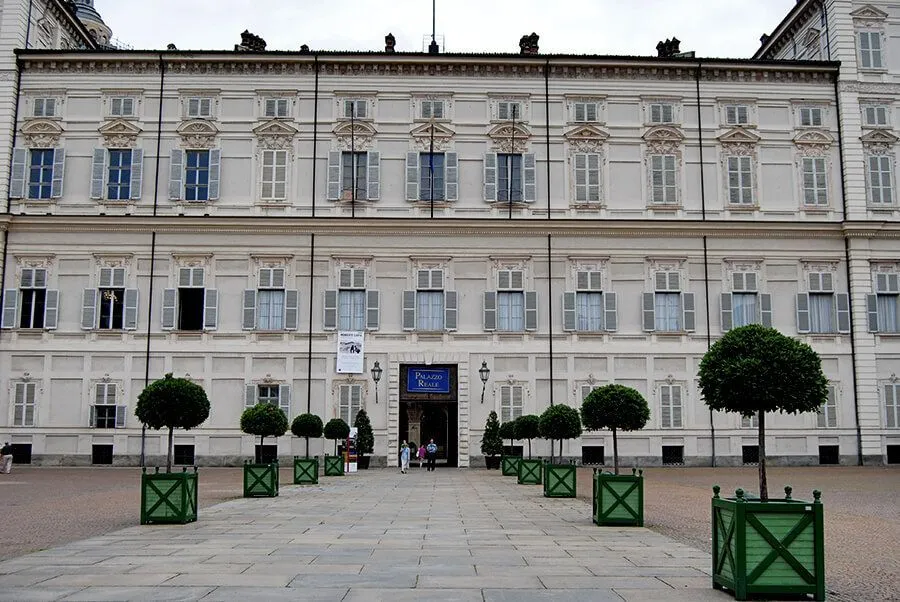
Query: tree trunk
x=763, y=485
x=169, y=451
x=307, y=448
x=259, y=454
x=615, y=452
x=529, y=449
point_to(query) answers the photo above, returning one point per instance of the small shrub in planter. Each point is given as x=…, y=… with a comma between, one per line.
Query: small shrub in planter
x=528, y=427
x=171, y=403
x=491, y=442
x=335, y=429
x=263, y=420
x=365, y=439
x=770, y=547
x=306, y=470
x=557, y=423
x=509, y=465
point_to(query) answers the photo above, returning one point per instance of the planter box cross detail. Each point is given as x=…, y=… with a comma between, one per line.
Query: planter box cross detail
x=261, y=480
x=168, y=497
x=619, y=499
x=306, y=471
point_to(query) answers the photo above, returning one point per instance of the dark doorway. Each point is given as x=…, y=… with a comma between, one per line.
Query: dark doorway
x=893, y=454
x=593, y=454
x=183, y=455
x=672, y=455
x=432, y=420
x=829, y=454
x=750, y=454
x=266, y=454
x=101, y=454
x=21, y=453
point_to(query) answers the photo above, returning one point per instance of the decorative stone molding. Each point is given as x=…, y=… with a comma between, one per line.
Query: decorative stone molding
x=730, y=266
x=423, y=135
x=275, y=135
x=509, y=138
x=26, y=261
x=271, y=261
x=879, y=142
x=586, y=139
x=119, y=133
x=868, y=16
x=191, y=261
x=664, y=264
x=522, y=99
x=197, y=134
x=664, y=140
x=739, y=142
x=813, y=143
x=358, y=135
x=42, y=133
x=112, y=261
x=808, y=267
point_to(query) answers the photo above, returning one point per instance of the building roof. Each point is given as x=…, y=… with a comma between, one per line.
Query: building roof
x=783, y=32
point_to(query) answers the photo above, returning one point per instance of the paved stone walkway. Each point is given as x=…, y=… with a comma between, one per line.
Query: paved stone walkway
x=375, y=535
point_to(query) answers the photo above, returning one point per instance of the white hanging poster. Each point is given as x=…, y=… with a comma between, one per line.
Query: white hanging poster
x=350, y=352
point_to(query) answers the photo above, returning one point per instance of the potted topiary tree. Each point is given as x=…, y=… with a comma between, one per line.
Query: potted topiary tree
x=528, y=427
x=171, y=403
x=771, y=547
x=618, y=499
x=263, y=420
x=557, y=423
x=306, y=470
x=509, y=463
x=365, y=439
x=491, y=443
x=335, y=429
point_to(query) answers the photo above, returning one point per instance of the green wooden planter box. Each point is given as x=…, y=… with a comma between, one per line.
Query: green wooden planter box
x=619, y=499
x=509, y=466
x=260, y=480
x=530, y=471
x=334, y=466
x=774, y=548
x=559, y=480
x=306, y=471
x=169, y=497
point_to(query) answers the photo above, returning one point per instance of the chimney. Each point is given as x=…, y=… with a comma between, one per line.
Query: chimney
x=389, y=42
x=763, y=39
x=528, y=44
x=668, y=48
x=250, y=42
x=433, y=48
x=304, y=49
x=171, y=47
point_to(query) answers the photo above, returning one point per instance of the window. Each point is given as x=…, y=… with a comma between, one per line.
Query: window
x=102, y=453
x=509, y=177
x=37, y=173
x=40, y=180
x=277, y=107
x=870, y=49
x=821, y=310
x=509, y=111
x=510, y=300
x=811, y=116
x=744, y=305
x=672, y=455
x=740, y=181
x=271, y=306
x=431, y=171
x=44, y=107
x=737, y=115
x=750, y=422
x=121, y=106
x=354, y=175
x=587, y=177
x=883, y=308
x=24, y=404
x=190, y=298
x=274, y=394
x=665, y=304
x=662, y=113
x=350, y=402
x=119, y=175
x=875, y=116
x=829, y=454
x=588, y=308
x=274, y=175
x=196, y=176
x=750, y=454
x=432, y=109
x=815, y=184
x=182, y=454
x=357, y=109
x=39, y=307
x=891, y=405
x=826, y=416
x=592, y=454
x=670, y=406
x=105, y=414
x=111, y=306
x=352, y=307
x=511, y=402
x=429, y=307
x=664, y=190
x=881, y=188
x=199, y=107
x=586, y=112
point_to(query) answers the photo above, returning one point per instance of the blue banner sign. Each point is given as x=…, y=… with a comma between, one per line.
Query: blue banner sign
x=428, y=380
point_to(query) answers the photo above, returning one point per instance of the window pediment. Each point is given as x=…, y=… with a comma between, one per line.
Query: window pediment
x=119, y=133
x=510, y=138
x=423, y=134
x=358, y=134
x=275, y=134
x=586, y=138
x=878, y=137
x=663, y=133
x=42, y=133
x=738, y=136
x=868, y=13
x=197, y=134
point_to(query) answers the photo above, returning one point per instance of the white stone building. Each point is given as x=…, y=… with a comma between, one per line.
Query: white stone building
x=565, y=221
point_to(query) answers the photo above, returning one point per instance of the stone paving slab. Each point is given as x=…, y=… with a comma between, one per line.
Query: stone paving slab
x=376, y=535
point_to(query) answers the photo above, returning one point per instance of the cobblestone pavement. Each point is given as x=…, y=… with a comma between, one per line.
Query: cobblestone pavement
x=377, y=535
x=862, y=516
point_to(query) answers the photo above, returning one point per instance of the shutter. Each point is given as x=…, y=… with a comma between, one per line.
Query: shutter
x=665, y=400
x=531, y=310
x=649, y=311
x=674, y=281
x=18, y=173
x=169, y=308
x=374, y=175
x=277, y=276
x=215, y=168
x=176, y=175
x=106, y=279
x=503, y=279
x=490, y=177
x=270, y=107
x=490, y=310
x=248, y=321
x=210, y=309
x=582, y=281
x=118, y=277
x=661, y=279
x=750, y=281
x=26, y=280
x=291, y=309
x=423, y=279
x=329, y=319
x=409, y=309
x=137, y=173
x=373, y=303
x=676, y=406
x=412, y=176
x=688, y=312
x=51, y=309
x=437, y=279
x=726, y=310
x=610, y=312
x=10, y=307
x=98, y=173
x=570, y=316
x=516, y=279
x=59, y=172
x=92, y=417
x=284, y=400
x=765, y=310
x=451, y=310
x=121, y=413
x=40, y=278
x=249, y=396
x=803, y=313
x=842, y=301
x=451, y=176
x=334, y=176
x=529, y=174
x=89, y=309
x=871, y=312
x=130, y=318
x=184, y=277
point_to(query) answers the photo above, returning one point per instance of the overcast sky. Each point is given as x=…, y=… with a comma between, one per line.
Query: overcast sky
x=722, y=28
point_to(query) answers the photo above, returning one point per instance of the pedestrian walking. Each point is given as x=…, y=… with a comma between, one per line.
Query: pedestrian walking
x=404, y=458
x=6, y=458
x=431, y=454
x=421, y=455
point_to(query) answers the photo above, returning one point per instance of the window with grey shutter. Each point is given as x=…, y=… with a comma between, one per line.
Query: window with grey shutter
x=215, y=168
x=842, y=302
x=569, y=311
x=451, y=176
x=610, y=311
x=803, y=313
x=330, y=305
x=412, y=176
x=490, y=310
x=249, y=396
x=284, y=400
x=89, y=309
x=248, y=321
x=451, y=310
x=374, y=176
x=373, y=303
x=490, y=177
x=765, y=309
x=169, y=308
x=670, y=406
x=334, y=175
x=98, y=173
x=130, y=318
x=648, y=309
x=725, y=312
x=210, y=309
x=137, y=173
x=531, y=311
x=176, y=175
x=51, y=309
x=18, y=173
x=689, y=309
x=529, y=173
x=409, y=310
x=10, y=307
x=59, y=172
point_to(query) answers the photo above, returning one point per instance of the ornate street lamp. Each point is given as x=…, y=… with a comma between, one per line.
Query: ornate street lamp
x=376, y=376
x=484, y=372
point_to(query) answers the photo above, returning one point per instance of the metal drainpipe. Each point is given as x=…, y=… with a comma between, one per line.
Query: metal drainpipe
x=19, y=68
x=312, y=244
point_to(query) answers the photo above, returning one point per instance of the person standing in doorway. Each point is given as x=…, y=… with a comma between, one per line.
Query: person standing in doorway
x=431, y=453
x=6, y=458
x=421, y=455
x=404, y=458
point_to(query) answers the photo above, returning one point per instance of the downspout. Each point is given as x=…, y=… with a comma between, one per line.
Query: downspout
x=312, y=242
x=550, y=310
x=315, y=133
x=827, y=31
x=9, y=177
x=547, y=138
x=28, y=25
x=549, y=236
